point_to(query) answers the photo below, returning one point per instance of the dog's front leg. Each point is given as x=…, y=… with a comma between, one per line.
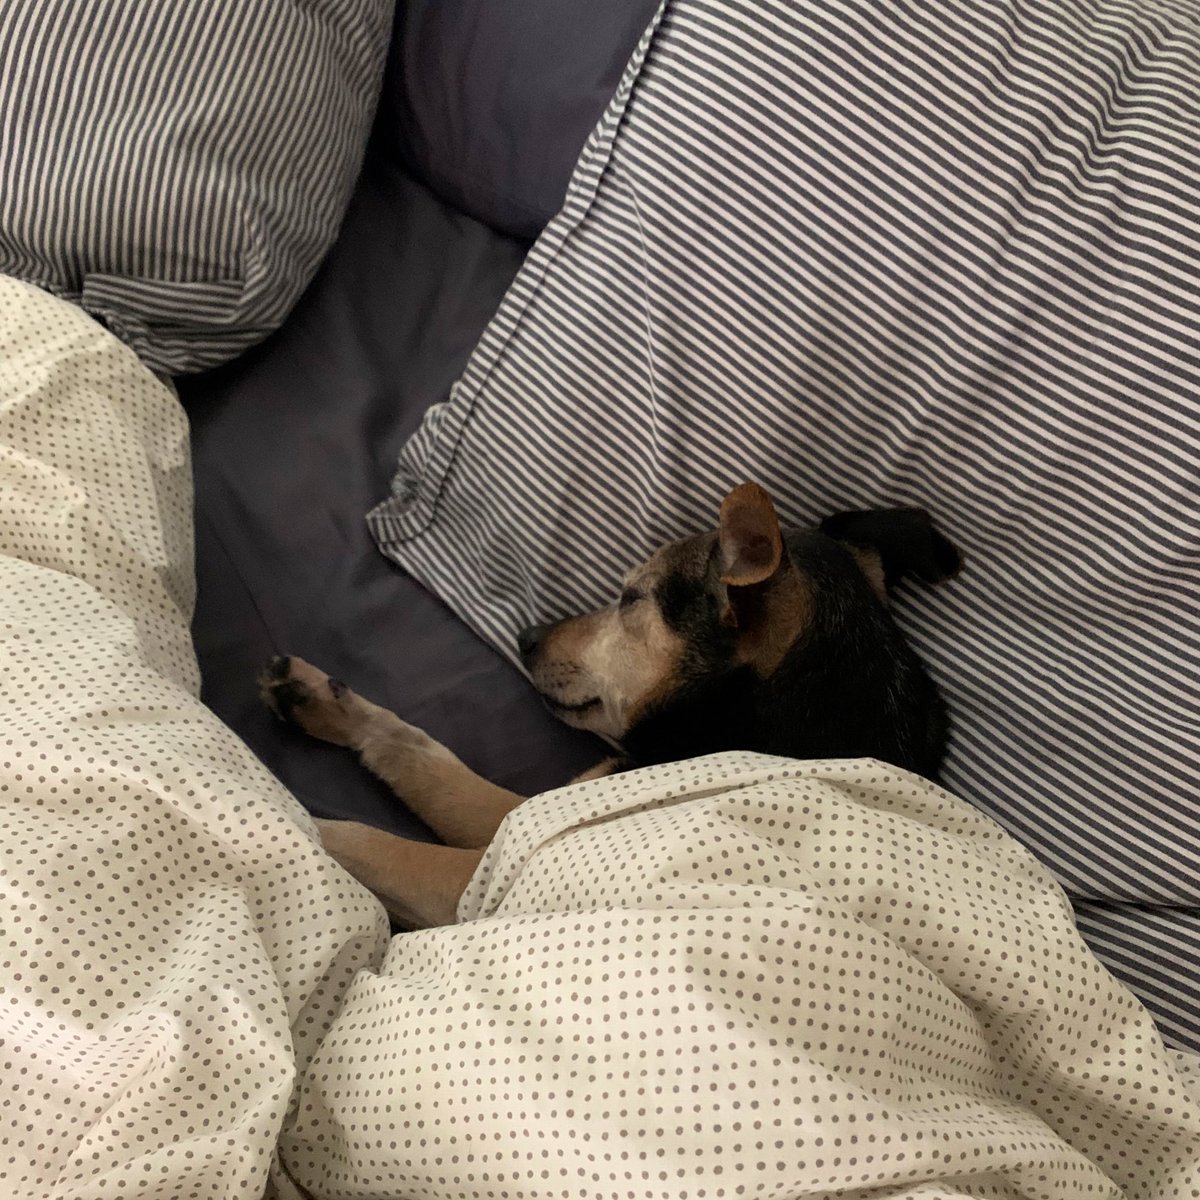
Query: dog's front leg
x=463, y=809
x=612, y=765
x=419, y=883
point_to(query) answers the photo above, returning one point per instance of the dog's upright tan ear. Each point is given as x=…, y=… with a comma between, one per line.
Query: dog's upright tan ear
x=902, y=541
x=749, y=537
x=750, y=554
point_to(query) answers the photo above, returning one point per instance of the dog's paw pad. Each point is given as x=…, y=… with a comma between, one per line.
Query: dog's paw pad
x=281, y=693
x=278, y=668
x=300, y=694
x=284, y=698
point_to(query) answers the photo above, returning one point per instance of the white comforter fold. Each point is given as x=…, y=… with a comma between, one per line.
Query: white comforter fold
x=755, y=977
x=172, y=940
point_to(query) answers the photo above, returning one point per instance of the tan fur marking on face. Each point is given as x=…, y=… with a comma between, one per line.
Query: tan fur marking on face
x=570, y=638
x=650, y=663
x=602, y=770
x=666, y=684
x=621, y=658
x=778, y=617
x=871, y=566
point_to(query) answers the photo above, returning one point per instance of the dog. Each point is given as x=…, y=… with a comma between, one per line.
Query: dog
x=743, y=638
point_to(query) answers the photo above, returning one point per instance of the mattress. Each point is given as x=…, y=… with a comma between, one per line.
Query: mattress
x=292, y=445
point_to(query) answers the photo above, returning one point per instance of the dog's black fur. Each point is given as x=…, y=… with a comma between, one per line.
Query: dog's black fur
x=849, y=685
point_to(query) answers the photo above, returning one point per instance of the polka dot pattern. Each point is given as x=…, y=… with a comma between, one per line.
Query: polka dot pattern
x=748, y=976
x=173, y=943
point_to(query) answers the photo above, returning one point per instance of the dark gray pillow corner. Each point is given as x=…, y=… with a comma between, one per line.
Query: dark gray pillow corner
x=490, y=102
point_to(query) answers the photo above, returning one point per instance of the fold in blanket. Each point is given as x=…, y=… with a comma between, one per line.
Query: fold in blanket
x=172, y=938
x=748, y=976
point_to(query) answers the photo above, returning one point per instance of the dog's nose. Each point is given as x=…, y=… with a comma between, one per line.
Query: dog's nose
x=529, y=639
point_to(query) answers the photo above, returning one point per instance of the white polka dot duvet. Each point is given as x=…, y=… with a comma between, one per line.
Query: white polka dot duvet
x=736, y=977
x=172, y=941
x=747, y=976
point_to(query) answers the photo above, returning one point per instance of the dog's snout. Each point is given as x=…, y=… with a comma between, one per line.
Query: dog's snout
x=529, y=639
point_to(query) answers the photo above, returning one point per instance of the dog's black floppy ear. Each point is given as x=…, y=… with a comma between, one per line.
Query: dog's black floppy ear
x=904, y=539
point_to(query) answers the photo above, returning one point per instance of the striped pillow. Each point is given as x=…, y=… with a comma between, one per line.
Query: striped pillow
x=180, y=168
x=946, y=254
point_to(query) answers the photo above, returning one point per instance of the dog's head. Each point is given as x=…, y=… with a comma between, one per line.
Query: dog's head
x=748, y=638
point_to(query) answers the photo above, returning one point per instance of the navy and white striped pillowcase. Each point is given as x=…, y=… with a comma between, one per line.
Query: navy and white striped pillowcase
x=180, y=169
x=945, y=254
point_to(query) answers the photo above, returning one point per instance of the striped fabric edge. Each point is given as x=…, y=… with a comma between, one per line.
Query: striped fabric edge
x=182, y=199
x=1155, y=952
x=414, y=496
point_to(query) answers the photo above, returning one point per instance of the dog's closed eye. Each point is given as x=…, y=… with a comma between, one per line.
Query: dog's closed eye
x=629, y=597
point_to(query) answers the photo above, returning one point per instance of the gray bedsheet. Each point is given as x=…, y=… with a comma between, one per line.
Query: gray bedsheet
x=292, y=444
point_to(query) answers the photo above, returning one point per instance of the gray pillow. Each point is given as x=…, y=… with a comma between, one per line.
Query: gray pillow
x=491, y=101
x=888, y=254
x=180, y=168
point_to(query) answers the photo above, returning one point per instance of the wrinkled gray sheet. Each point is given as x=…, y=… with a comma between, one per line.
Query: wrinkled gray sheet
x=292, y=445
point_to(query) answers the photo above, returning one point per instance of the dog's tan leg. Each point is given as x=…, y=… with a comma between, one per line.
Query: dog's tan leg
x=463, y=809
x=602, y=770
x=419, y=883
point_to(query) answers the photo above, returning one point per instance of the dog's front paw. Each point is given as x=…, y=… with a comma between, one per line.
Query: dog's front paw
x=301, y=694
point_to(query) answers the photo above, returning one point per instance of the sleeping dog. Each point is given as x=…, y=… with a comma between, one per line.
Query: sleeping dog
x=746, y=638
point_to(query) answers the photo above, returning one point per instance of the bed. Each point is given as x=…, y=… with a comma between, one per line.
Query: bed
x=198, y=1002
